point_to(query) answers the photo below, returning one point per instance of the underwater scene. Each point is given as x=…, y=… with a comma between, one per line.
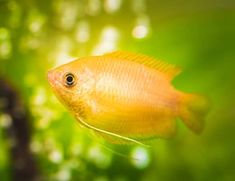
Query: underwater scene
x=166, y=118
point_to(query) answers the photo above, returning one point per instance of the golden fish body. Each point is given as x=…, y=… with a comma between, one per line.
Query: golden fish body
x=124, y=95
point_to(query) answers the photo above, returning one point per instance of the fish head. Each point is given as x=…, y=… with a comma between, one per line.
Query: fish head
x=66, y=83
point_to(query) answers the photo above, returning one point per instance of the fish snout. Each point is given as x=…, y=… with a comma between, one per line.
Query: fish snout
x=51, y=77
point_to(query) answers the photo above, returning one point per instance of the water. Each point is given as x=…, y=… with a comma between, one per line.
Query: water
x=195, y=35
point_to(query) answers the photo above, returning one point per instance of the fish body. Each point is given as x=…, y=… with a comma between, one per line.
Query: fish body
x=126, y=96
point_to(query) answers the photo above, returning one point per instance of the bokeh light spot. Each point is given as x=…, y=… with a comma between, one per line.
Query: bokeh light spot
x=35, y=146
x=61, y=54
x=67, y=12
x=39, y=97
x=112, y=6
x=140, y=157
x=4, y=34
x=101, y=158
x=5, y=44
x=55, y=156
x=82, y=32
x=5, y=120
x=63, y=175
x=108, y=40
x=35, y=21
x=140, y=31
x=93, y=7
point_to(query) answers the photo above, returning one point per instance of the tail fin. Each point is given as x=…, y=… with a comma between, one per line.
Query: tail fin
x=194, y=110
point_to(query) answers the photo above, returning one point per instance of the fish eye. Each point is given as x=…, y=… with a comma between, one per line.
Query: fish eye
x=69, y=79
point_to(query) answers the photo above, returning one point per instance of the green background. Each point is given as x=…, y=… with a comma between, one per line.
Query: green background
x=198, y=36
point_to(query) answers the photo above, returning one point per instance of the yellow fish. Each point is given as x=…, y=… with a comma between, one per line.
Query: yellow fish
x=126, y=97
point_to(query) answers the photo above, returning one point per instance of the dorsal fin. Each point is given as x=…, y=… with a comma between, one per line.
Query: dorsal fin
x=169, y=70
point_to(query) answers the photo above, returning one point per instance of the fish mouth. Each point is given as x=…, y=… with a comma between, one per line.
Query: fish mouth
x=50, y=77
x=54, y=83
